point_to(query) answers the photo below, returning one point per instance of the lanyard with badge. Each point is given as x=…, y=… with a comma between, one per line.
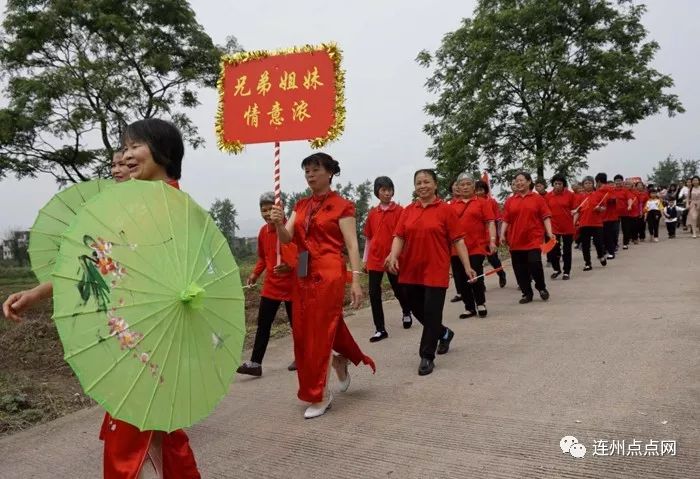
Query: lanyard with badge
x=303, y=258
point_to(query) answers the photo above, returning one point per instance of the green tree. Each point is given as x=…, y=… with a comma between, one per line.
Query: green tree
x=224, y=215
x=76, y=72
x=668, y=171
x=539, y=84
x=689, y=168
x=16, y=241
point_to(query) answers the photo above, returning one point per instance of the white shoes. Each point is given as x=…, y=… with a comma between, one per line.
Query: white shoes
x=319, y=408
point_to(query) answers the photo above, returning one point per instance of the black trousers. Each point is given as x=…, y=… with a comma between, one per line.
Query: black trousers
x=611, y=230
x=671, y=229
x=561, y=250
x=375, y=296
x=495, y=261
x=527, y=266
x=627, y=223
x=266, y=316
x=473, y=294
x=653, y=218
x=427, y=303
x=641, y=228
x=596, y=234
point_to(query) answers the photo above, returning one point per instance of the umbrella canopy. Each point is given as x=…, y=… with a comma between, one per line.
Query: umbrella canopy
x=53, y=219
x=149, y=306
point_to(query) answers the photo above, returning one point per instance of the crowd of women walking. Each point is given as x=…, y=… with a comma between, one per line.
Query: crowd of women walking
x=305, y=259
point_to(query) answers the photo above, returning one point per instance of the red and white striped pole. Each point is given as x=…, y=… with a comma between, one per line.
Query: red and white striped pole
x=278, y=192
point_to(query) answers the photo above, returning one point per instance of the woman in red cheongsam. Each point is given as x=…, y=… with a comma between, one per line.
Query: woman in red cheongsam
x=321, y=226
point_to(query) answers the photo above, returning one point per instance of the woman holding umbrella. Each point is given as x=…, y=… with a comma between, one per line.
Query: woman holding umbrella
x=153, y=151
x=322, y=225
x=422, y=242
x=526, y=220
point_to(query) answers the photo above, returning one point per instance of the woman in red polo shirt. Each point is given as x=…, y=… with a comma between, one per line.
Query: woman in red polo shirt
x=589, y=217
x=526, y=220
x=561, y=202
x=321, y=226
x=642, y=197
x=624, y=203
x=420, y=255
x=482, y=191
x=478, y=223
x=277, y=287
x=379, y=232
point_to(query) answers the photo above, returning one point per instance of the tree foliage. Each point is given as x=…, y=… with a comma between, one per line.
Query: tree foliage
x=689, y=168
x=671, y=170
x=77, y=71
x=539, y=84
x=225, y=215
x=668, y=171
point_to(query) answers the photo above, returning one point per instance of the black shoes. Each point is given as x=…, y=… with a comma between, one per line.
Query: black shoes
x=603, y=261
x=407, y=321
x=251, y=369
x=378, y=336
x=481, y=309
x=467, y=314
x=555, y=275
x=588, y=267
x=566, y=277
x=292, y=366
x=426, y=367
x=456, y=299
x=525, y=299
x=502, y=280
x=544, y=294
x=444, y=344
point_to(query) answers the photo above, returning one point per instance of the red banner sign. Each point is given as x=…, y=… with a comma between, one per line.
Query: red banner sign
x=280, y=96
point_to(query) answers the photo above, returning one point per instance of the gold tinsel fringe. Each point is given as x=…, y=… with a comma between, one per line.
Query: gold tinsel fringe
x=237, y=58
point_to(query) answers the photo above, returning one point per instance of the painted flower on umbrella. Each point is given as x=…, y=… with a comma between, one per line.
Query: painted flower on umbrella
x=101, y=247
x=106, y=265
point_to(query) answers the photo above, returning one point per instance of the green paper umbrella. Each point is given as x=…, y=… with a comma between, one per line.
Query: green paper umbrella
x=149, y=305
x=53, y=219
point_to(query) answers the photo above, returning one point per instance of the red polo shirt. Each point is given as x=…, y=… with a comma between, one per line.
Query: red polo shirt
x=525, y=215
x=622, y=196
x=379, y=230
x=642, y=197
x=495, y=207
x=473, y=216
x=276, y=286
x=610, y=203
x=428, y=233
x=560, y=204
x=587, y=213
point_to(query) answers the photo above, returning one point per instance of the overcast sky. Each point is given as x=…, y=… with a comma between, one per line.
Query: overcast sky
x=385, y=98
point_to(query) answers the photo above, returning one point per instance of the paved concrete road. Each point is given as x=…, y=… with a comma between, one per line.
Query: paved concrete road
x=614, y=355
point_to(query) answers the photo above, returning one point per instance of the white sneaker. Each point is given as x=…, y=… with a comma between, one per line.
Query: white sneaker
x=319, y=408
x=656, y=240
